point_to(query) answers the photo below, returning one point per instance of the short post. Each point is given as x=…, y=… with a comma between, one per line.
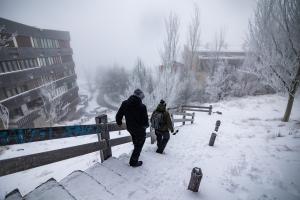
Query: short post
x=104, y=135
x=212, y=139
x=183, y=118
x=218, y=123
x=193, y=117
x=195, y=180
x=210, y=109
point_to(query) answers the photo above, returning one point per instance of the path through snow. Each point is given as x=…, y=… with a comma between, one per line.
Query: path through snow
x=256, y=156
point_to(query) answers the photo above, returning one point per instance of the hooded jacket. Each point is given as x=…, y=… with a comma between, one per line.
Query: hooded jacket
x=135, y=113
x=167, y=125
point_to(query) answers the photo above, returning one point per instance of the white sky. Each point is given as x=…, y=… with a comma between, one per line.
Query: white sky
x=119, y=31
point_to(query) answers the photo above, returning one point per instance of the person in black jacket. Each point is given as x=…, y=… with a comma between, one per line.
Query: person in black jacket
x=136, y=116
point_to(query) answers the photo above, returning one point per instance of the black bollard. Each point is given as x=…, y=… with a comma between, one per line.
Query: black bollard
x=212, y=139
x=195, y=180
x=218, y=123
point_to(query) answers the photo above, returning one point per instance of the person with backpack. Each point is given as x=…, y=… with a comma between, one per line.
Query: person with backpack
x=136, y=116
x=162, y=123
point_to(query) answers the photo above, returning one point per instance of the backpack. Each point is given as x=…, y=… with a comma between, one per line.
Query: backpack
x=157, y=120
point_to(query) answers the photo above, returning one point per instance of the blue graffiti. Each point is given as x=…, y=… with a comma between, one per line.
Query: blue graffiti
x=19, y=136
x=4, y=137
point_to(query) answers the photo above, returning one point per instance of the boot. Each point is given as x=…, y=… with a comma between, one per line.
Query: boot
x=159, y=151
x=139, y=163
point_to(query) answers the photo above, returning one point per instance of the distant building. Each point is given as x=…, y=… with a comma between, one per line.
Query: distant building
x=174, y=67
x=34, y=59
x=231, y=58
x=204, y=59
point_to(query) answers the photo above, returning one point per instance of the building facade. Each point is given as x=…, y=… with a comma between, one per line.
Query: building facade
x=230, y=58
x=37, y=75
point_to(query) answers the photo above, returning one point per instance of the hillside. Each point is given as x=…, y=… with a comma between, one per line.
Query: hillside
x=256, y=156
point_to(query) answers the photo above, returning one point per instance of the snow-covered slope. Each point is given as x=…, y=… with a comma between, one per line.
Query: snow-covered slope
x=255, y=156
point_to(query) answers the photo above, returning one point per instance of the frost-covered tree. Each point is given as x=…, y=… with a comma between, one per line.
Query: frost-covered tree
x=275, y=46
x=167, y=86
x=229, y=81
x=220, y=84
x=167, y=76
x=171, y=41
x=219, y=73
x=141, y=77
x=52, y=102
x=193, y=40
x=189, y=86
x=218, y=45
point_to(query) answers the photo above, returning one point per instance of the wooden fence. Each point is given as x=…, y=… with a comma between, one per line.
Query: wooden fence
x=192, y=108
x=101, y=128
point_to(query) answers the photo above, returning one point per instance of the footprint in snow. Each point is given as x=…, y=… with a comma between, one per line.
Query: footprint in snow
x=255, y=178
x=231, y=186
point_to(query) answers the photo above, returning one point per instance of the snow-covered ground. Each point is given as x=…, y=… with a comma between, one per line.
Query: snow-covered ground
x=256, y=156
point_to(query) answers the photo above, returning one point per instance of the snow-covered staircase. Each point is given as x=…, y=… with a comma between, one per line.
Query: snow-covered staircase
x=248, y=161
x=100, y=182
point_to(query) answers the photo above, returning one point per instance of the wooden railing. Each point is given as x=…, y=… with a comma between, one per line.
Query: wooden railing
x=101, y=128
x=183, y=108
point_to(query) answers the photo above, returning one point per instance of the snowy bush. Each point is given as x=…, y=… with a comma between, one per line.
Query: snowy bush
x=229, y=81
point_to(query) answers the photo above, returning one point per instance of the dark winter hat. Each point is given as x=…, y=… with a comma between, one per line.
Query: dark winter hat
x=139, y=93
x=162, y=102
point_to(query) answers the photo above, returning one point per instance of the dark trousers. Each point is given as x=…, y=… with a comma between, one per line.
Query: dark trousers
x=162, y=140
x=138, y=143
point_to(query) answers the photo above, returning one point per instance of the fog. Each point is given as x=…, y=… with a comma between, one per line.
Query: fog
x=108, y=32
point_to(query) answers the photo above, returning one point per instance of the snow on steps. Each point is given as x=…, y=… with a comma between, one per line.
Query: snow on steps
x=82, y=186
x=115, y=182
x=49, y=190
x=100, y=182
x=14, y=195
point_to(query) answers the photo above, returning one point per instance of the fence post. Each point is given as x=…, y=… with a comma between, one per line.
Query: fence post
x=212, y=139
x=218, y=123
x=193, y=117
x=104, y=135
x=210, y=109
x=183, y=117
x=172, y=119
x=195, y=180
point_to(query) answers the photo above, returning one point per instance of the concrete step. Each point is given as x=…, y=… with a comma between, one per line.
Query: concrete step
x=121, y=167
x=49, y=190
x=14, y=195
x=138, y=175
x=85, y=187
x=119, y=185
x=114, y=179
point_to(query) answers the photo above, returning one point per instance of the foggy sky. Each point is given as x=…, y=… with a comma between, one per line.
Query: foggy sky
x=119, y=31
